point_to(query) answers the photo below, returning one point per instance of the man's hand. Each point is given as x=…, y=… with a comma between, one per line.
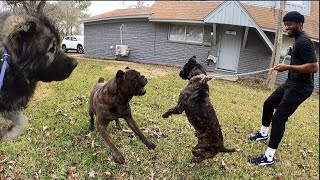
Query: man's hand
x=281, y=67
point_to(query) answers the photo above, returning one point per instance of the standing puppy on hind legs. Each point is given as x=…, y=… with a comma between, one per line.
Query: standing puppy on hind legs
x=195, y=101
x=30, y=47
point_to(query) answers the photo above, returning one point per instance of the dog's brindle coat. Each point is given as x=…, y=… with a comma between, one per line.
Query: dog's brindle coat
x=110, y=101
x=195, y=101
x=33, y=43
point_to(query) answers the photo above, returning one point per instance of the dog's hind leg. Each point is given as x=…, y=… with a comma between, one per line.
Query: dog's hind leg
x=133, y=125
x=19, y=123
x=119, y=126
x=91, y=120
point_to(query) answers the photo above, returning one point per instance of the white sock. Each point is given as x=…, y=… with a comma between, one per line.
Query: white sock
x=264, y=130
x=270, y=153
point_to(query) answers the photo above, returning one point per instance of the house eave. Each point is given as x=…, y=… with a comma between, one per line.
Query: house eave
x=177, y=21
x=116, y=18
x=285, y=33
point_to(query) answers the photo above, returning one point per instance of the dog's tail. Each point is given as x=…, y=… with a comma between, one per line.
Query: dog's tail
x=101, y=80
x=224, y=149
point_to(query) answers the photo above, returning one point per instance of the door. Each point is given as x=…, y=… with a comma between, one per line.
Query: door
x=229, y=48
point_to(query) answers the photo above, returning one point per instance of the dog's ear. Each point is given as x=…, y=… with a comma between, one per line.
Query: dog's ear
x=127, y=67
x=119, y=76
x=192, y=59
x=40, y=7
x=30, y=9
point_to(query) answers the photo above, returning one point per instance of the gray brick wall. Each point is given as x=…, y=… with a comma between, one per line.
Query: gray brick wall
x=148, y=43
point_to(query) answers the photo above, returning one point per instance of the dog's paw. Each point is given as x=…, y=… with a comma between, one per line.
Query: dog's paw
x=150, y=145
x=165, y=115
x=118, y=158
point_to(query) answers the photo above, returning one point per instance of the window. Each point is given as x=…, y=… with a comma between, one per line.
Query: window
x=186, y=33
x=73, y=39
x=66, y=38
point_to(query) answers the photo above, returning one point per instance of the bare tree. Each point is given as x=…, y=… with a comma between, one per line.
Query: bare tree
x=64, y=14
x=139, y=4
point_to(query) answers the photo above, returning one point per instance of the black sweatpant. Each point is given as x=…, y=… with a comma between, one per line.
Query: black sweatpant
x=285, y=100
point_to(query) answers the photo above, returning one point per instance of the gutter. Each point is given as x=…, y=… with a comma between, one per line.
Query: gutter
x=116, y=18
x=178, y=21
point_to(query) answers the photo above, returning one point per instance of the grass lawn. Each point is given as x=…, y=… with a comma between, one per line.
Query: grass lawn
x=57, y=143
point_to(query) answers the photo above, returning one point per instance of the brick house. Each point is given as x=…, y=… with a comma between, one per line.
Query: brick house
x=240, y=34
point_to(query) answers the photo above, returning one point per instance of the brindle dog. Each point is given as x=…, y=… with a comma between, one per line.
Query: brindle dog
x=33, y=45
x=110, y=101
x=195, y=101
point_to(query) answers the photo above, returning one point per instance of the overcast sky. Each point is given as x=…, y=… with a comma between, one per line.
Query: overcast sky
x=99, y=7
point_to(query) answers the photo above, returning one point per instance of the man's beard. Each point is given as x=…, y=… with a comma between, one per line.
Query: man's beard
x=295, y=32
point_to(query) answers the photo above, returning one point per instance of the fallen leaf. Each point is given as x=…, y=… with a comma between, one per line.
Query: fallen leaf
x=107, y=174
x=127, y=130
x=92, y=144
x=152, y=175
x=224, y=166
x=88, y=135
x=72, y=121
x=310, y=152
x=2, y=169
x=304, y=154
x=92, y=174
x=44, y=128
x=4, y=161
x=11, y=163
x=280, y=177
x=72, y=171
x=35, y=176
x=192, y=165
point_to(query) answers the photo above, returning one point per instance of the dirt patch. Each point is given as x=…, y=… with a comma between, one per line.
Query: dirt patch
x=41, y=92
x=148, y=71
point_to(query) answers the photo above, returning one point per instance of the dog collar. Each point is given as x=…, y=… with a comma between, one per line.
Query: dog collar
x=6, y=60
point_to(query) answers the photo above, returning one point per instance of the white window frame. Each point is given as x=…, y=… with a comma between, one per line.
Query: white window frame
x=185, y=34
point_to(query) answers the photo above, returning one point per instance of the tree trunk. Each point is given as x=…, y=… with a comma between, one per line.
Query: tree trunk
x=272, y=75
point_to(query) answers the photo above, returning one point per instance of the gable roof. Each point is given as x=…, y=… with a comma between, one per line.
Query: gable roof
x=196, y=11
x=179, y=10
x=120, y=13
x=237, y=15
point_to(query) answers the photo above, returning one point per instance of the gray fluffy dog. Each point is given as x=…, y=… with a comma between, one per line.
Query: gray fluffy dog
x=33, y=43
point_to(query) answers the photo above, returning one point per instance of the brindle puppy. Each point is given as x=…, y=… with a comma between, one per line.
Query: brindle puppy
x=195, y=101
x=110, y=101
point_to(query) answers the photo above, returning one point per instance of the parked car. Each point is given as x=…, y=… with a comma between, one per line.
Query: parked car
x=73, y=43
